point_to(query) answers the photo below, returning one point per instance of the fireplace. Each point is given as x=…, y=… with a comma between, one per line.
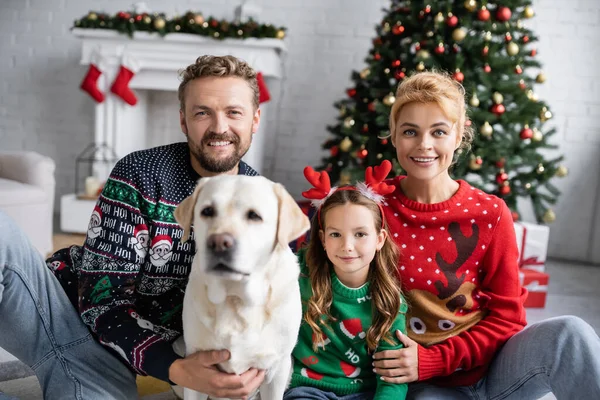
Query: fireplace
x=123, y=128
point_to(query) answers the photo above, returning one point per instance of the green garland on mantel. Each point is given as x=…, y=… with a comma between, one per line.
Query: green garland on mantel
x=191, y=22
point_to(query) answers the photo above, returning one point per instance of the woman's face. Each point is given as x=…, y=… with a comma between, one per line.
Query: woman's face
x=425, y=140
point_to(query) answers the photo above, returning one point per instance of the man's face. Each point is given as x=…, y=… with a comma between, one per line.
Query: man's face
x=219, y=120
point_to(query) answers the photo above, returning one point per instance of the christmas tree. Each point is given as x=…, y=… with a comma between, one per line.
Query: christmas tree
x=486, y=46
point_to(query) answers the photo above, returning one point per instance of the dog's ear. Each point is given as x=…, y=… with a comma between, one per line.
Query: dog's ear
x=292, y=222
x=184, y=213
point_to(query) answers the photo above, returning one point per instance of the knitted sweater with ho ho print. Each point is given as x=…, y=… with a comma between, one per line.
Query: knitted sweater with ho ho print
x=342, y=363
x=459, y=272
x=128, y=279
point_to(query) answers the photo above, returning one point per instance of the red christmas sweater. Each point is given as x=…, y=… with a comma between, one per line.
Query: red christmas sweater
x=460, y=277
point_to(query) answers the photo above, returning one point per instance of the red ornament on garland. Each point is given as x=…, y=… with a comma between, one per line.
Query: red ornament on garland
x=351, y=92
x=439, y=49
x=500, y=163
x=371, y=106
x=501, y=177
x=533, y=52
x=487, y=69
x=138, y=17
x=362, y=154
x=508, y=37
x=334, y=150
x=505, y=190
x=525, y=39
x=396, y=63
x=384, y=141
x=377, y=57
x=515, y=215
x=522, y=85
x=485, y=51
x=498, y=109
x=452, y=21
x=458, y=76
x=518, y=69
x=397, y=29
x=526, y=133
x=503, y=14
x=483, y=14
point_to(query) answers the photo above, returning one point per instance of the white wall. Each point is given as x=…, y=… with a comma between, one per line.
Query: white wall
x=42, y=108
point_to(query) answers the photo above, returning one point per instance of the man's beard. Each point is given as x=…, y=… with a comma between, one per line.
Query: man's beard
x=218, y=165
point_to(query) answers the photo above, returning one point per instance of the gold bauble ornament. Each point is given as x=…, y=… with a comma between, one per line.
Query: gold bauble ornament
x=389, y=99
x=364, y=73
x=349, y=122
x=92, y=16
x=549, y=216
x=487, y=36
x=147, y=20
x=474, y=102
x=512, y=49
x=537, y=135
x=423, y=54
x=379, y=156
x=439, y=18
x=540, y=78
x=198, y=19
x=486, y=129
x=497, y=97
x=459, y=34
x=345, y=144
x=545, y=115
x=386, y=27
x=562, y=171
x=540, y=169
x=159, y=23
x=345, y=178
x=531, y=95
x=420, y=66
x=280, y=34
x=470, y=5
x=528, y=12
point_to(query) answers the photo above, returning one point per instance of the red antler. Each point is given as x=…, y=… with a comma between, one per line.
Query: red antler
x=374, y=177
x=320, y=181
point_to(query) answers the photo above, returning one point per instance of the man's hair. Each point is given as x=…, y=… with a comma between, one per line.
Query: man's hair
x=222, y=66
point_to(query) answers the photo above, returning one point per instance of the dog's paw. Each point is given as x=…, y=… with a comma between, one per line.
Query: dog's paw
x=216, y=293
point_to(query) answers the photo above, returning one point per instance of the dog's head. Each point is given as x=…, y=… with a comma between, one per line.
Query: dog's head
x=238, y=221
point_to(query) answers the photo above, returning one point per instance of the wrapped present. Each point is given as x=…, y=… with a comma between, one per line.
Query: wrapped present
x=532, y=240
x=309, y=210
x=536, y=284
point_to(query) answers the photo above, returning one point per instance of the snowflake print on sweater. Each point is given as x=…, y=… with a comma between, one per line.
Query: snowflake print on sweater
x=459, y=272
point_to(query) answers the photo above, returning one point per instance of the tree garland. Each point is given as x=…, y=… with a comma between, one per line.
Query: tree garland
x=130, y=22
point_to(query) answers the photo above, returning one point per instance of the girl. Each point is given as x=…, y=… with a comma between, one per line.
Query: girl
x=350, y=293
x=460, y=274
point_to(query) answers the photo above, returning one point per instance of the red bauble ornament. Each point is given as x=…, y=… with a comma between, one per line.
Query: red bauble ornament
x=526, y=133
x=396, y=63
x=483, y=14
x=138, y=18
x=362, y=154
x=501, y=177
x=351, y=92
x=397, y=29
x=505, y=190
x=498, y=109
x=525, y=39
x=439, y=49
x=384, y=141
x=371, y=106
x=515, y=215
x=458, y=76
x=522, y=85
x=377, y=41
x=500, y=163
x=508, y=37
x=214, y=23
x=533, y=52
x=334, y=151
x=518, y=69
x=417, y=46
x=452, y=21
x=376, y=56
x=503, y=14
x=487, y=69
x=399, y=74
x=485, y=51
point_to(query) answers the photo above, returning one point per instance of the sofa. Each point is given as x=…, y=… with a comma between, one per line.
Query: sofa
x=27, y=186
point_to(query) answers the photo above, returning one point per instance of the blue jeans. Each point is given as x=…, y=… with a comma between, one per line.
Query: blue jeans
x=310, y=393
x=560, y=355
x=40, y=326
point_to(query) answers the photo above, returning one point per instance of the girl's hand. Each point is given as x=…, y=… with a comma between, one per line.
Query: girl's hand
x=398, y=366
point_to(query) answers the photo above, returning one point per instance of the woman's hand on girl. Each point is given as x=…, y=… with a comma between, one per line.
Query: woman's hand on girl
x=398, y=366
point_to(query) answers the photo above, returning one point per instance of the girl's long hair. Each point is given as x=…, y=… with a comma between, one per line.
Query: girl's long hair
x=385, y=285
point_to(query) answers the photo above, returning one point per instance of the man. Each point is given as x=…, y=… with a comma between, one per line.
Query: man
x=133, y=267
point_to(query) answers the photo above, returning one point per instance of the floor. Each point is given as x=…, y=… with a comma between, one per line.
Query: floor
x=573, y=289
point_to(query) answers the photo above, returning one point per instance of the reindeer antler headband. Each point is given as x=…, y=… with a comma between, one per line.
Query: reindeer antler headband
x=372, y=188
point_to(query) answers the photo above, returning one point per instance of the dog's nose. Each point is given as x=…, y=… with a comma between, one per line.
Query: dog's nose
x=221, y=242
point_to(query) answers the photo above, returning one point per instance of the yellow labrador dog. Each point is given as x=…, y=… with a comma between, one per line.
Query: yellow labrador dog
x=243, y=292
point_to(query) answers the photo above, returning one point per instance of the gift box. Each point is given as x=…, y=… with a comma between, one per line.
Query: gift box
x=532, y=240
x=536, y=284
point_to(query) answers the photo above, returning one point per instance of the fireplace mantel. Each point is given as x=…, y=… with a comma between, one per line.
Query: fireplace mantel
x=123, y=127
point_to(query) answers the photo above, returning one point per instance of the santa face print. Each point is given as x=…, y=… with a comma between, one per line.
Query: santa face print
x=140, y=242
x=351, y=240
x=160, y=254
x=94, y=227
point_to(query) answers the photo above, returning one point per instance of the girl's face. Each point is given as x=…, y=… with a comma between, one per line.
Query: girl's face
x=425, y=140
x=351, y=240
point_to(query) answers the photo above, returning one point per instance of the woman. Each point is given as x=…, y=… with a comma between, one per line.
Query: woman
x=460, y=274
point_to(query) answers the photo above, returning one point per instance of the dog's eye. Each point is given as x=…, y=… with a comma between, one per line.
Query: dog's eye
x=208, y=212
x=252, y=215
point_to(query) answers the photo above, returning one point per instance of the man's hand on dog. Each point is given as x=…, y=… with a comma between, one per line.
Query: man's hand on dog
x=199, y=372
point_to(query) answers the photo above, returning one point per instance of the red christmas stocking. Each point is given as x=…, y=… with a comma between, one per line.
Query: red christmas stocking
x=90, y=82
x=120, y=87
x=263, y=90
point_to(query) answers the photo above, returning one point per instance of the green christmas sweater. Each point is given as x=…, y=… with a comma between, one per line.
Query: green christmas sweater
x=128, y=279
x=342, y=363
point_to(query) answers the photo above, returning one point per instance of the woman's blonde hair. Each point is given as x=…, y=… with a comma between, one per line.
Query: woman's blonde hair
x=440, y=88
x=222, y=66
x=385, y=288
